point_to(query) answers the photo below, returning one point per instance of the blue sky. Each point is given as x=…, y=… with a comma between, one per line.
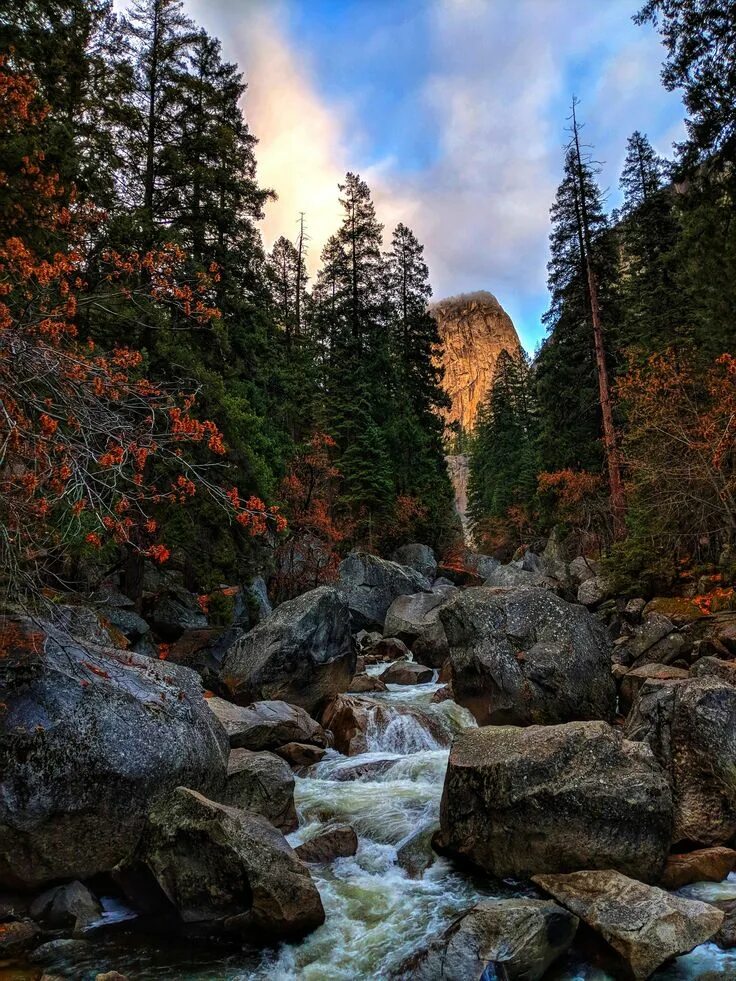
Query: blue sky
x=453, y=111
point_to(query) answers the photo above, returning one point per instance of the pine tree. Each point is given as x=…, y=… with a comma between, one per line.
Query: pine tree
x=287, y=276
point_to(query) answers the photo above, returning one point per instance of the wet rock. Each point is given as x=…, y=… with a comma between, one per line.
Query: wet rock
x=358, y=723
x=63, y=906
x=416, y=854
x=366, y=682
x=421, y=558
x=555, y=799
x=442, y=694
x=266, y=725
x=370, y=585
x=175, y=611
x=302, y=653
x=726, y=936
x=632, y=681
x=228, y=870
x=70, y=951
x=645, y=925
x=526, y=656
x=703, y=865
x=415, y=620
x=361, y=771
x=336, y=841
x=89, y=739
x=592, y=592
x=387, y=649
x=407, y=673
x=691, y=728
x=521, y=936
x=300, y=754
x=263, y=784
x=16, y=937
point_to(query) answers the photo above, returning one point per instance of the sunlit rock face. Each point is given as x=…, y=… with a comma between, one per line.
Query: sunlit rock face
x=474, y=329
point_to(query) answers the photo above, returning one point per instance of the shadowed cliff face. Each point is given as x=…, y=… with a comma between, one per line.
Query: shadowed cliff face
x=474, y=329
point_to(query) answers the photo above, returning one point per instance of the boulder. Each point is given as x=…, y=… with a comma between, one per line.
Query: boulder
x=89, y=739
x=72, y=905
x=443, y=694
x=678, y=609
x=522, y=936
x=634, y=609
x=555, y=799
x=581, y=569
x=726, y=936
x=702, y=865
x=300, y=754
x=387, y=649
x=175, y=611
x=16, y=937
x=415, y=620
x=359, y=725
x=714, y=667
x=645, y=925
x=690, y=727
x=228, y=870
x=266, y=725
x=336, y=841
x=416, y=854
x=68, y=951
x=263, y=784
x=482, y=565
x=362, y=683
x=632, y=681
x=526, y=656
x=420, y=558
x=368, y=770
x=407, y=673
x=648, y=644
x=128, y=622
x=592, y=592
x=302, y=653
x=514, y=576
x=370, y=585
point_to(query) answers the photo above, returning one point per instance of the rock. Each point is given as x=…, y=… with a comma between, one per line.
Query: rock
x=336, y=841
x=16, y=937
x=679, y=610
x=691, y=728
x=555, y=799
x=302, y=653
x=521, y=936
x=86, y=626
x=726, y=936
x=89, y=739
x=483, y=565
x=174, y=612
x=421, y=558
x=356, y=721
x=634, y=679
x=443, y=694
x=458, y=575
x=128, y=622
x=592, y=592
x=415, y=620
x=370, y=585
x=416, y=854
x=655, y=641
x=581, y=569
x=360, y=771
x=263, y=784
x=111, y=976
x=703, y=865
x=53, y=951
x=194, y=649
x=71, y=905
x=228, y=870
x=514, y=577
x=387, y=649
x=526, y=656
x=713, y=667
x=645, y=925
x=474, y=329
x=407, y=673
x=362, y=683
x=365, y=638
x=300, y=754
x=266, y=725
x=634, y=609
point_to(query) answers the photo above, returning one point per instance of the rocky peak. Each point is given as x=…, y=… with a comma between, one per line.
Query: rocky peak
x=474, y=329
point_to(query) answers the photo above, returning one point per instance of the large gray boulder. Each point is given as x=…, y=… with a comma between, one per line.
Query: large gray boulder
x=228, y=870
x=690, y=727
x=525, y=936
x=645, y=925
x=525, y=656
x=513, y=576
x=370, y=585
x=261, y=783
x=302, y=653
x=421, y=558
x=555, y=799
x=90, y=738
x=415, y=619
x=266, y=725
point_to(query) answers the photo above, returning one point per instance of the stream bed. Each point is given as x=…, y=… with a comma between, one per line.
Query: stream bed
x=377, y=912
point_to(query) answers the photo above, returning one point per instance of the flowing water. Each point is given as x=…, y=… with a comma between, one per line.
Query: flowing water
x=377, y=912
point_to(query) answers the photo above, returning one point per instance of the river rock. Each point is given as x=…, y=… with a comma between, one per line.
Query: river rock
x=70, y=951
x=302, y=653
x=228, y=870
x=356, y=722
x=387, y=649
x=370, y=585
x=555, y=799
x=336, y=841
x=300, y=754
x=263, y=784
x=526, y=656
x=522, y=936
x=691, y=728
x=89, y=739
x=702, y=865
x=415, y=620
x=70, y=905
x=645, y=925
x=407, y=673
x=420, y=558
x=362, y=683
x=416, y=854
x=266, y=725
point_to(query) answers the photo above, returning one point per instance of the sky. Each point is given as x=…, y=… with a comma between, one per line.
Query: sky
x=453, y=111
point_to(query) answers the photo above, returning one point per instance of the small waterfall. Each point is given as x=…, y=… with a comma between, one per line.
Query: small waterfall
x=392, y=731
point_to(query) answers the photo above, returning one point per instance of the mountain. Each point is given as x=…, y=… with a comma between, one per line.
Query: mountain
x=474, y=328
